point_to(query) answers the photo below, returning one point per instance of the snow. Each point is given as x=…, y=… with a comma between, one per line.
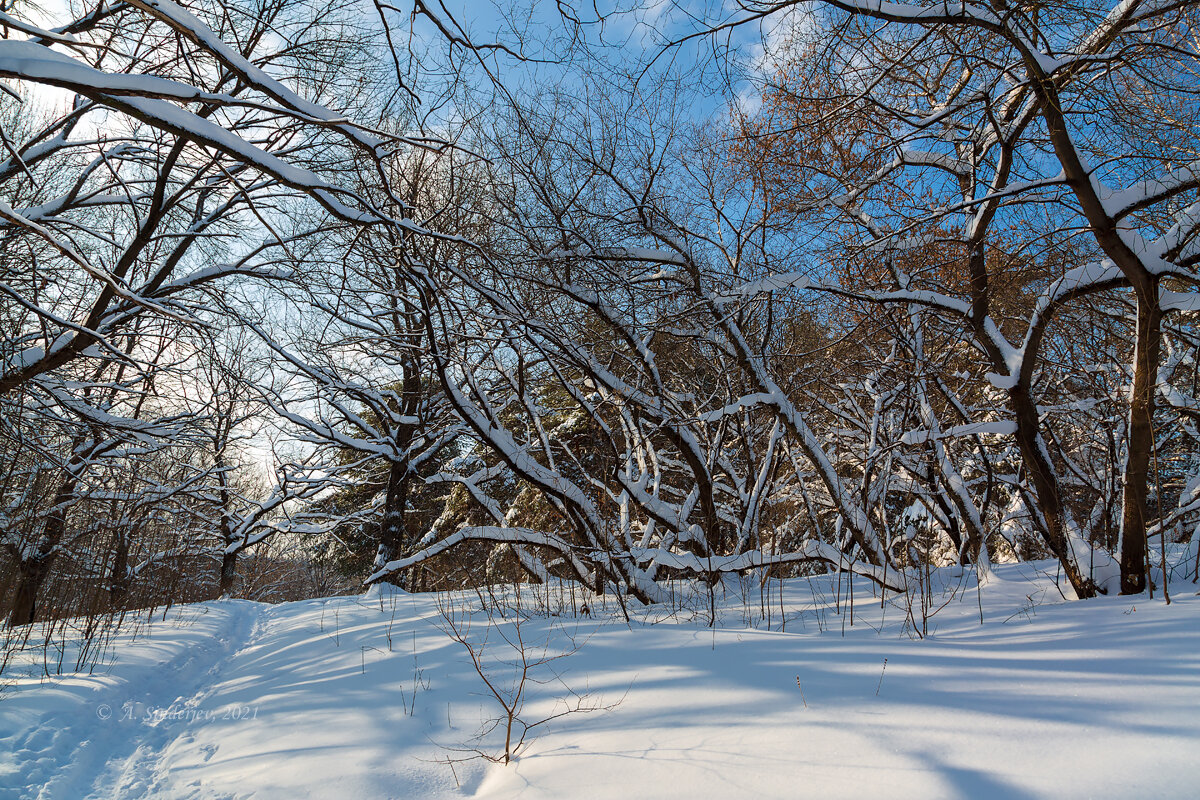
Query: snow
x=315, y=699
x=997, y=428
x=137, y=95
x=1180, y=301
x=771, y=283
x=487, y=533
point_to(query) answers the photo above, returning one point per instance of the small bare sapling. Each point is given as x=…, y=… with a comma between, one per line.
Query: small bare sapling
x=510, y=667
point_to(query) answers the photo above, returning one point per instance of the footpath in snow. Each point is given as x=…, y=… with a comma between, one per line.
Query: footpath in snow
x=367, y=697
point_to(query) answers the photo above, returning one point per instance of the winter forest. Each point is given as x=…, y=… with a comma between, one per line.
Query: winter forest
x=569, y=399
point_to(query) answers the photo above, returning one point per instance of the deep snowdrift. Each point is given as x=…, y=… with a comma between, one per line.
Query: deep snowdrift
x=366, y=697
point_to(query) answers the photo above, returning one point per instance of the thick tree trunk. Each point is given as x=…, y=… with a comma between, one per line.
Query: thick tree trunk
x=33, y=570
x=31, y=574
x=228, y=573
x=229, y=554
x=8, y=582
x=1140, y=440
x=1145, y=284
x=1046, y=489
x=391, y=530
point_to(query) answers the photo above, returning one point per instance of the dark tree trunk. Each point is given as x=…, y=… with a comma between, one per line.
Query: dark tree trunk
x=31, y=575
x=1148, y=336
x=8, y=582
x=391, y=530
x=1140, y=440
x=228, y=573
x=33, y=570
x=1046, y=489
x=229, y=554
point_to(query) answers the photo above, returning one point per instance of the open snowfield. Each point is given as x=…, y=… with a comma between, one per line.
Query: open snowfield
x=366, y=697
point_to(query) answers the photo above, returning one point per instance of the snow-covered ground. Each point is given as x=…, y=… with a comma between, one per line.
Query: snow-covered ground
x=367, y=697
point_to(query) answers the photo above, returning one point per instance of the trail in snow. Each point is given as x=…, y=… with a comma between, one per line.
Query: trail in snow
x=102, y=749
x=364, y=697
x=162, y=721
